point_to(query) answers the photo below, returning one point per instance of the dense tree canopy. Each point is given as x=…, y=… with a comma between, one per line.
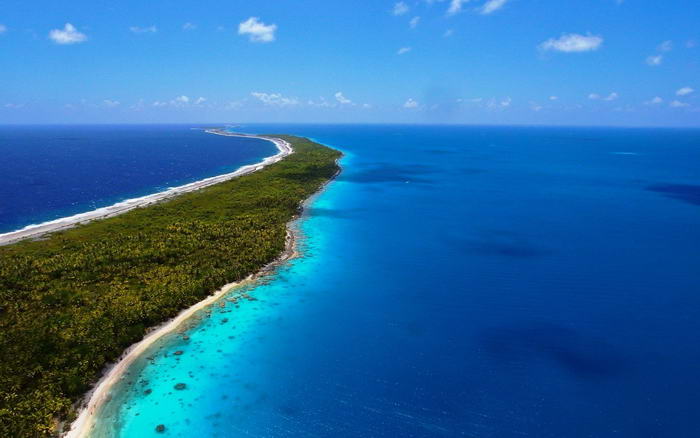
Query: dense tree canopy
x=73, y=302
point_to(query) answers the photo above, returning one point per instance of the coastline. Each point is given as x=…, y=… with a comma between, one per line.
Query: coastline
x=39, y=230
x=100, y=393
x=93, y=400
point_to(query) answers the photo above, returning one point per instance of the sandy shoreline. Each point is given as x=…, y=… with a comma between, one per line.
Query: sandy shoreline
x=100, y=393
x=36, y=231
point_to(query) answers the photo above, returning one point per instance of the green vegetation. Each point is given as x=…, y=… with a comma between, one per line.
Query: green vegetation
x=72, y=303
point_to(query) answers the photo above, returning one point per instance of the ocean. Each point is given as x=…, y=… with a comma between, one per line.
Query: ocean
x=49, y=172
x=454, y=282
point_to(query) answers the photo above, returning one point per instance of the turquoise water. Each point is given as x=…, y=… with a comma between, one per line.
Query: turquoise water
x=458, y=281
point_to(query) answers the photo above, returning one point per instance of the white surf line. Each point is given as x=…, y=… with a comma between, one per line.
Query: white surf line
x=35, y=231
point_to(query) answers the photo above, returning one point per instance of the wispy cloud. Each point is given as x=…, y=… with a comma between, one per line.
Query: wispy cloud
x=553, y=97
x=666, y=46
x=448, y=33
x=684, y=91
x=275, y=99
x=189, y=26
x=610, y=97
x=110, y=103
x=68, y=35
x=654, y=101
x=342, y=99
x=655, y=60
x=400, y=8
x=410, y=104
x=414, y=22
x=403, y=50
x=678, y=104
x=492, y=6
x=455, y=6
x=257, y=31
x=573, y=42
x=146, y=29
x=3, y=28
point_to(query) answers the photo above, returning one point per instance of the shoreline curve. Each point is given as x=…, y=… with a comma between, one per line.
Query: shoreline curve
x=60, y=224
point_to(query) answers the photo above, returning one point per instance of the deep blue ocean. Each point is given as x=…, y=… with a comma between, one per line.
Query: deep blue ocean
x=455, y=282
x=49, y=172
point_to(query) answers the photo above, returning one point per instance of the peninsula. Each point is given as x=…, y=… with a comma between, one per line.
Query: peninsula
x=71, y=303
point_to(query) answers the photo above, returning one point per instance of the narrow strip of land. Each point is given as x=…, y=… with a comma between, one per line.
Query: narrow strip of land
x=36, y=231
x=72, y=302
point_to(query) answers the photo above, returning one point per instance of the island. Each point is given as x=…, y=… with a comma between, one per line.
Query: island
x=72, y=301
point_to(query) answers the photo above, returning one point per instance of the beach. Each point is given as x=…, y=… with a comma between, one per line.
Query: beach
x=100, y=393
x=39, y=230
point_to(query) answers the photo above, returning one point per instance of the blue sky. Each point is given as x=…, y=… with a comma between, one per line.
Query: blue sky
x=551, y=62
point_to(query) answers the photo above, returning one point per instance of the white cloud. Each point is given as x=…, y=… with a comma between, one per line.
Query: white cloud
x=342, y=99
x=536, y=107
x=148, y=29
x=403, y=50
x=274, y=99
x=455, y=6
x=666, y=46
x=3, y=28
x=410, y=103
x=495, y=104
x=68, y=35
x=448, y=33
x=654, y=101
x=492, y=6
x=189, y=26
x=199, y=101
x=400, y=8
x=655, y=60
x=573, y=42
x=110, y=103
x=553, y=97
x=257, y=31
x=182, y=99
x=14, y=105
x=414, y=22
x=610, y=97
x=684, y=91
x=691, y=44
x=322, y=103
x=678, y=104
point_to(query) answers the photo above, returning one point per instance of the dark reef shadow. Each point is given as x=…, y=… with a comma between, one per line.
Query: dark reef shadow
x=390, y=173
x=498, y=243
x=689, y=193
x=583, y=356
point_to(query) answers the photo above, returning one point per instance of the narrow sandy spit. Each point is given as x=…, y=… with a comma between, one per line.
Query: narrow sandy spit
x=36, y=231
x=85, y=422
